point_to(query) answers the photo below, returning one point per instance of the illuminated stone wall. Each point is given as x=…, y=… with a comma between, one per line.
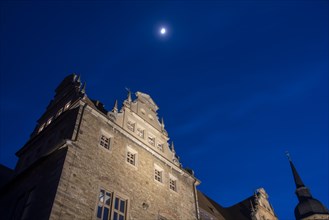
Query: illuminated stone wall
x=90, y=167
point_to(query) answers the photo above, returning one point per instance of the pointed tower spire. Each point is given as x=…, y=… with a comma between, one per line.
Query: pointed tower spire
x=79, y=78
x=115, y=107
x=307, y=206
x=298, y=181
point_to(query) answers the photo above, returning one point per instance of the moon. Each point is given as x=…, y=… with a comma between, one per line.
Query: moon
x=163, y=31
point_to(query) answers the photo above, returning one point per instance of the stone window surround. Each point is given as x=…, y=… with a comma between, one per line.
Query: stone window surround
x=140, y=132
x=151, y=139
x=131, y=151
x=131, y=125
x=160, y=146
x=172, y=182
x=107, y=135
x=158, y=174
x=114, y=195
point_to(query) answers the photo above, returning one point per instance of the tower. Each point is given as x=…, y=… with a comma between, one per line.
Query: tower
x=307, y=207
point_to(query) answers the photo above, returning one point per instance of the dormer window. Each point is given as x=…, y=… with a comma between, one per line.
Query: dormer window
x=131, y=125
x=151, y=140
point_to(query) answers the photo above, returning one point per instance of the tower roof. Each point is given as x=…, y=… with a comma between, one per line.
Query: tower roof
x=298, y=181
x=307, y=205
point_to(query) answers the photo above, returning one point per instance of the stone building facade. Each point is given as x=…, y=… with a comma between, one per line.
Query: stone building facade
x=84, y=162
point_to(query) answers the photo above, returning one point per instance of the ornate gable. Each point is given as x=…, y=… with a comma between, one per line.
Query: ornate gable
x=146, y=99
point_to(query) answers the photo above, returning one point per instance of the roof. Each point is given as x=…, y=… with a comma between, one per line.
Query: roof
x=241, y=210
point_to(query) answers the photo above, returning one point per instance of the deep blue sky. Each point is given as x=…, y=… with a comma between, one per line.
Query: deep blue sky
x=237, y=82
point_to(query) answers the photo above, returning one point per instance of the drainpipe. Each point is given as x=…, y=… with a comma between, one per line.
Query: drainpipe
x=80, y=120
x=196, y=200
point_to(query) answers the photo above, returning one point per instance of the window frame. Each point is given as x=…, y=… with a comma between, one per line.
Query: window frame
x=140, y=132
x=160, y=146
x=151, y=137
x=111, y=206
x=107, y=136
x=131, y=125
x=173, y=179
x=158, y=174
x=133, y=152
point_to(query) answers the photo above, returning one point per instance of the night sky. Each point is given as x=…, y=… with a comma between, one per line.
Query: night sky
x=237, y=82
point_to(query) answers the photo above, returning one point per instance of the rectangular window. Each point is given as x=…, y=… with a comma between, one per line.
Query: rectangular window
x=140, y=132
x=160, y=147
x=119, y=211
x=105, y=141
x=60, y=111
x=151, y=140
x=67, y=106
x=158, y=175
x=131, y=158
x=172, y=184
x=110, y=206
x=41, y=127
x=49, y=120
x=104, y=205
x=131, y=125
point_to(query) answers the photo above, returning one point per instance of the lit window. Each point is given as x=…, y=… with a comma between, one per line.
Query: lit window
x=49, y=120
x=41, y=127
x=131, y=125
x=140, y=132
x=158, y=175
x=151, y=140
x=160, y=146
x=67, y=105
x=105, y=141
x=108, y=201
x=172, y=184
x=131, y=158
x=119, y=212
x=60, y=111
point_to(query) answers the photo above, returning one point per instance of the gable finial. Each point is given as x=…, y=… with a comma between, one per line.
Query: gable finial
x=172, y=147
x=129, y=95
x=79, y=78
x=83, y=89
x=115, y=107
x=162, y=123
